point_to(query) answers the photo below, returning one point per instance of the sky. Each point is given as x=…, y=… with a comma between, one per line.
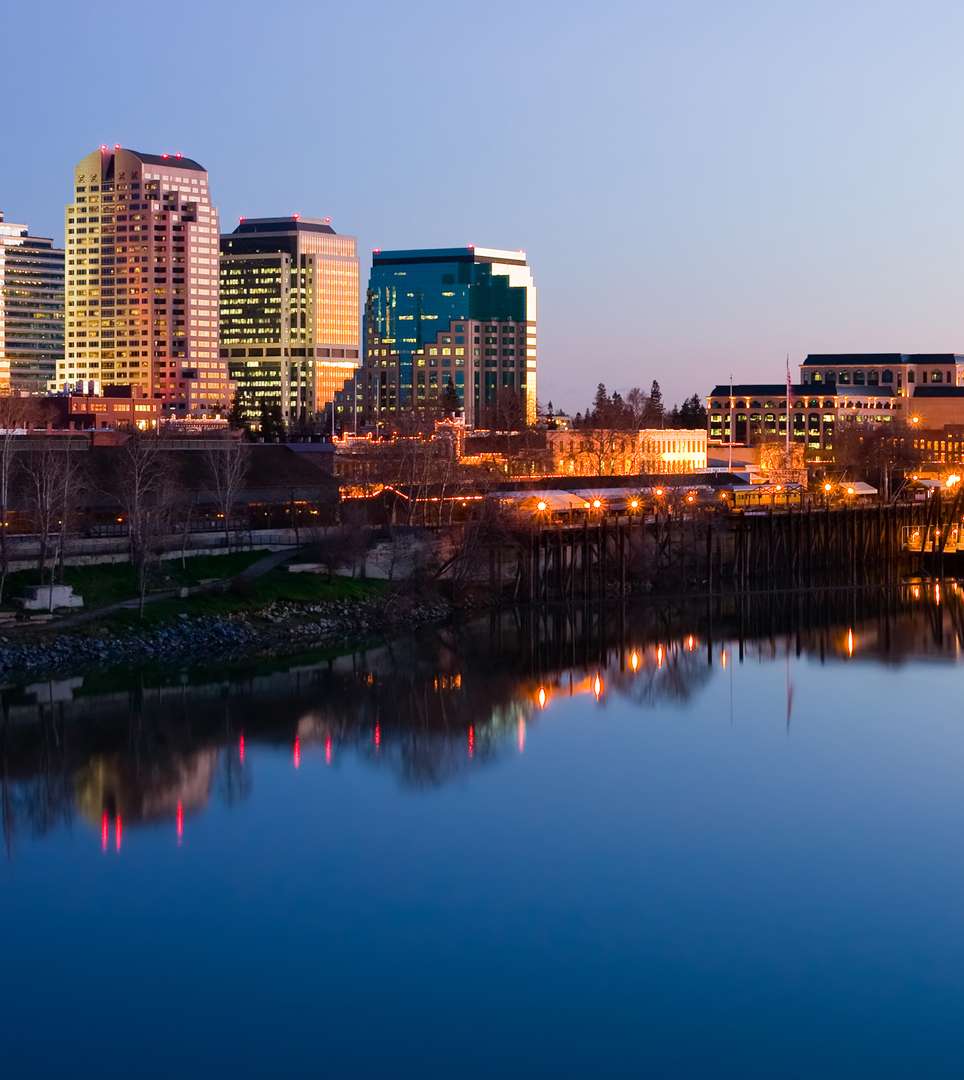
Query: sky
x=702, y=188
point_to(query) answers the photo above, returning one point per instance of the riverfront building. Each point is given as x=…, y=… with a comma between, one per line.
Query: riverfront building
x=142, y=280
x=900, y=372
x=450, y=324
x=757, y=412
x=604, y=452
x=31, y=310
x=289, y=314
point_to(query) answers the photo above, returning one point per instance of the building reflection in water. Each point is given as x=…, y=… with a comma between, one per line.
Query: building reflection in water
x=123, y=756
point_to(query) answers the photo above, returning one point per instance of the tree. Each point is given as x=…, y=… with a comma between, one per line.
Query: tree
x=272, y=422
x=874, y=451
x=636, y=403
x=653, y=412
x=450, y=399
x=17, y=416
x=600, y=407
x=507, y=412
x=691, y=414
x=146, y=490
x=237, y=420
x=44, y=480
x=227, y=467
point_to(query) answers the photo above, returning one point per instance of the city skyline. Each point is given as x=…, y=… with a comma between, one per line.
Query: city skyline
x=700, y=190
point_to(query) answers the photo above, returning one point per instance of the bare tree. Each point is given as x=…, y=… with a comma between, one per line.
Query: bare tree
x=227, y=467
x=44, y=469
x=147, y=492
x=73, y=482
x=17, y=416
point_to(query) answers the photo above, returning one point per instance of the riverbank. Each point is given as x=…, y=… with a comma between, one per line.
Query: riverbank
x=252, y=621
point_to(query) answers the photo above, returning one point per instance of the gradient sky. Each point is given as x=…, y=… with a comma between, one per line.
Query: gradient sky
x=701, y=187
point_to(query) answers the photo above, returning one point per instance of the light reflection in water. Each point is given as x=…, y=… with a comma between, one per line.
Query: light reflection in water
x=469, y=698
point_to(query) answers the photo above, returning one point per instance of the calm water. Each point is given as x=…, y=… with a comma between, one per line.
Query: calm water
x=684, y=843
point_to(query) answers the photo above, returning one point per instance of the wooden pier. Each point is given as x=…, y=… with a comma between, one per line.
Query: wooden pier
x=710, y=551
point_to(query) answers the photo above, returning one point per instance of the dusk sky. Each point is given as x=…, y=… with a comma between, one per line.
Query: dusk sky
x=701, y=188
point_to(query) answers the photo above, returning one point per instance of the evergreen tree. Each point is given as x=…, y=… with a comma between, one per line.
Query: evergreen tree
x=653, y=413
x=691, y=414
x=450, y=399
x=600, y=407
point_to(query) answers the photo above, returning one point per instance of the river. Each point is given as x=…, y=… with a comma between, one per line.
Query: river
x=680, y=840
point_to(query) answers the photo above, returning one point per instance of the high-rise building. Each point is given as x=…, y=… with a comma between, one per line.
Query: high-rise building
x=31, y=309
x=461, y=319
x=142, y=280
x=289, y=313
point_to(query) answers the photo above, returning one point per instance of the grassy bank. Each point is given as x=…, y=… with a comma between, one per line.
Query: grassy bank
x=277, y=585
x=109, y=583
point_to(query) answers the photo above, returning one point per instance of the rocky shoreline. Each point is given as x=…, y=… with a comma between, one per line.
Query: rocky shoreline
x=282, y=626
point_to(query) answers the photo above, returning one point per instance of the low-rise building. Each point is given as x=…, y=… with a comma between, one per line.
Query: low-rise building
x=607, y=452
x=748, y=414
x=118, y=407
x=901, y=372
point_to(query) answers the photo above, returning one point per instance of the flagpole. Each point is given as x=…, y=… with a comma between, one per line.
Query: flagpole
x=729, y=466
x=788, y=410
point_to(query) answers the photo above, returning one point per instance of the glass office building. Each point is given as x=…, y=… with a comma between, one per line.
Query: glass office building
x=460, y=317
x=289, y=314
x=31, y=310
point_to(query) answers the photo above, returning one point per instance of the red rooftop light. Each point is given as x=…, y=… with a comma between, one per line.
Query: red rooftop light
x=165, y=156
x=296, y=216
x=240, y=219
x=103, y=146
x=376, y=251
x=117, y=146
x=326, y=221
x=179, y=154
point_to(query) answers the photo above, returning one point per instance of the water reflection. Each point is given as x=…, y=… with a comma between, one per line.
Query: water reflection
x=121, y=755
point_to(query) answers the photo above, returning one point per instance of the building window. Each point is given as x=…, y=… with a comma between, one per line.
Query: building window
x=887, y=377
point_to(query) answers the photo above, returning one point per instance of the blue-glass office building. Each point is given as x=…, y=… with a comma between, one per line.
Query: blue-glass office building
x=459, y=317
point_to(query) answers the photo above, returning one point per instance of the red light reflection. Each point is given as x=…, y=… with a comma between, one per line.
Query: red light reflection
x=297, y=752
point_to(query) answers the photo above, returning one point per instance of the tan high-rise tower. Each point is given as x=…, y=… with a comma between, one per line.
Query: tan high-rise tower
x=142, y=280
x=289, y=313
